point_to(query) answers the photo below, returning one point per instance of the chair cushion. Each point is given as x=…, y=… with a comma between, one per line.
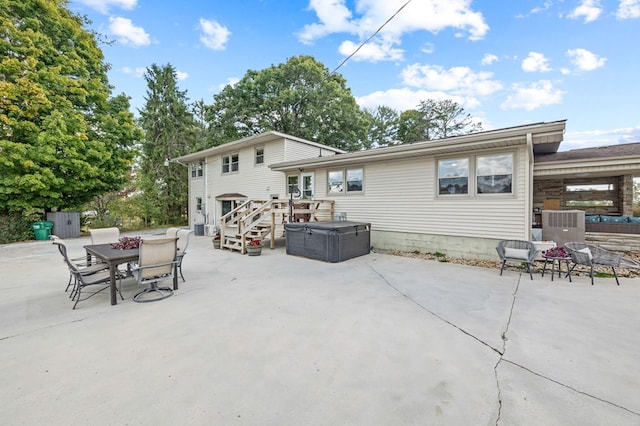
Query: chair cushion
x=515, y=253
x=587, y=251
x=592, y=219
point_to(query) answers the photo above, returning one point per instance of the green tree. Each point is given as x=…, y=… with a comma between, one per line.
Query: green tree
x=300, y=97
x=384, y=124
x=445, y=118
x=169, y=129
x=62, y=139
x=411, y=127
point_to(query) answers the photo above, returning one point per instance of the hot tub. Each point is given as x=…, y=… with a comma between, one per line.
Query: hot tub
x=328, y=241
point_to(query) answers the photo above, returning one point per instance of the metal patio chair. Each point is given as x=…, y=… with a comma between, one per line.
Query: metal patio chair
x=157, y=262
x=80, y=262
x=590, y=255
x=516, y=251
x=85, y=276
x=182, y=245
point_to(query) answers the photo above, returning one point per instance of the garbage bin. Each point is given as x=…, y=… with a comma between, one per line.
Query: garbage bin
x=42, y=229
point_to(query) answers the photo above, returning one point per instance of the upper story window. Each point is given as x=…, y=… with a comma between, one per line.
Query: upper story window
x=494, y=174
x=259, y=155
x=230, y=163
x=197, y=169
x=453, y=176
x=337, y=184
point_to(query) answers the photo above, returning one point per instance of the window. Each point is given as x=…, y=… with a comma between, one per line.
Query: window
x=291, y=182
x=491, y=174
x=354, y=180
x=353, y=183
x=259, y=155
x=197, y=169
x=199, y=203
x=453, y=176
x=230, y=163
x=494, y=174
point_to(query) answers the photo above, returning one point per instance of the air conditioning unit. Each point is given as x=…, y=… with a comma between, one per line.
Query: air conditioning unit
x=210, y=230
x=563, y=226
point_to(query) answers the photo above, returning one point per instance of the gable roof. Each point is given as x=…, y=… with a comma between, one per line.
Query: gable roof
x=250, y=141
x=544, y=137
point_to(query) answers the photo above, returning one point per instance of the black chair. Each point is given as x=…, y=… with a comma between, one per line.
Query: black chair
x=516, y=251
x=589, y=255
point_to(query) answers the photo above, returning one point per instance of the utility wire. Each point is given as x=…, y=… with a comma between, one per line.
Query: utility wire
x=370, y=37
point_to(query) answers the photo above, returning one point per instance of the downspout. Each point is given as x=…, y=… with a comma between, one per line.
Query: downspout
x=188, y=190
x=528, y=205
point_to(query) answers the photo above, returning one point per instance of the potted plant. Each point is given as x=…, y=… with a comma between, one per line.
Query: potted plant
x=216, y=241
x=254, y=247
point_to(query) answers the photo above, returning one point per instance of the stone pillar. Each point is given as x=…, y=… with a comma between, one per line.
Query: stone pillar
x=626, y=194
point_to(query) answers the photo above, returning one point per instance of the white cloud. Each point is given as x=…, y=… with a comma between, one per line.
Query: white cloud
x=406, y=98
x=436, y=15
x=585, y=60
x=103, y=6
x=461, y=81
x=372, y=51
x=181, y=75
x=628, y=9
x=231, y=81
x=532, y=96
x=589, y=9
x=128, y=33
x=595, y=138
x=535, y=62
x=215, y=36
x=138, y=71
x=488, y=59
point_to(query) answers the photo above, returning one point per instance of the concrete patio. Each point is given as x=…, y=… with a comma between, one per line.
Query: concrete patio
x=283, y=340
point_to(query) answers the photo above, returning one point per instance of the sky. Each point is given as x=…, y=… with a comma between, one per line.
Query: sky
x=507, y=63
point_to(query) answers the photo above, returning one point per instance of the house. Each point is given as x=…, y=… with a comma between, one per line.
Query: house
x=457, y=196
x=225, y=176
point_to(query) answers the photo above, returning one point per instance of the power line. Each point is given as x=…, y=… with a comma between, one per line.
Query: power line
x=344, y=61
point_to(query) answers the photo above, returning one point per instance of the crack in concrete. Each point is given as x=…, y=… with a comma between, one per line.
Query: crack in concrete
x=500, y=352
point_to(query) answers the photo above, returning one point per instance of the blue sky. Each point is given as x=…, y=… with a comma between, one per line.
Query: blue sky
x=506, y=62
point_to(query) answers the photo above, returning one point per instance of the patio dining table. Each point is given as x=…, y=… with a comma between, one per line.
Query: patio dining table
x=114, y=257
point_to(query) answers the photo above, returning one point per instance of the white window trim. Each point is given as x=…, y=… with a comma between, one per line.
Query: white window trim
x=345, y=190
x=230, y=157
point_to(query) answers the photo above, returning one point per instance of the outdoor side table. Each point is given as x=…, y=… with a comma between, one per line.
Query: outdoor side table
x=554, y=260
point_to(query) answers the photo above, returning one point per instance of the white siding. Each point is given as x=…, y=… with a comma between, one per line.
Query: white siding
x=294, y=150
x=401, y=196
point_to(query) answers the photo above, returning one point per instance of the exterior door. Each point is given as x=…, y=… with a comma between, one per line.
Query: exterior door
x=307, y=185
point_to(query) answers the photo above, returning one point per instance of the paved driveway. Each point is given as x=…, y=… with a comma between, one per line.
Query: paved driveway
x=283, y=340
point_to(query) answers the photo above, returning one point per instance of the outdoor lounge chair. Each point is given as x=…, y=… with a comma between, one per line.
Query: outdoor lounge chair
x=516, y=251
x=590, y=256
x=157, y=262
x=92, y=275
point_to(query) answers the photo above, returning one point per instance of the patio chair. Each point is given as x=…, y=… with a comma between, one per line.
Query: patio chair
x=83, y=277
x=104, y=235
x=182, y=244
x=172, y=232
x=590, y=256
x=516, y=251
x=157, y=262
x=79, y=262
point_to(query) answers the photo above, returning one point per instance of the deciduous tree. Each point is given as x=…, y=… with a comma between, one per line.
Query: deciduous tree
x=300, y=97
x=62, y=140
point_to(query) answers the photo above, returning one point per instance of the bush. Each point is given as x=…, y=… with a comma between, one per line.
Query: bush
x=17, y=227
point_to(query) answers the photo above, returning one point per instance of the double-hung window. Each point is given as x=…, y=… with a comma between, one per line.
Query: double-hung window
x=494, y=174
x=487, y=174
x=197, y=169
x=345, y=181
x=230, y=163
x=453, y=176
x=259, y=156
